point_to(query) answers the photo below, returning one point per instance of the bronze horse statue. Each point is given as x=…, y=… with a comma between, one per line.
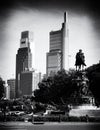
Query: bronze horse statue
x=80, y=61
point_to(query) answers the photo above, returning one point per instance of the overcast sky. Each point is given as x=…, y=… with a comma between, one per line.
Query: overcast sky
x=41, y=17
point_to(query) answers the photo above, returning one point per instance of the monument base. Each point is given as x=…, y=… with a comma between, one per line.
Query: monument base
x=85, y=109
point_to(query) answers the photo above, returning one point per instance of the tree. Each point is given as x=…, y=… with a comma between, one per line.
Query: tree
x=93, y=73
x=57, y=89
x=1, y=88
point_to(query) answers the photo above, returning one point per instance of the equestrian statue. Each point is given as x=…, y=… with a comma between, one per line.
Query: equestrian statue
x=80, y=60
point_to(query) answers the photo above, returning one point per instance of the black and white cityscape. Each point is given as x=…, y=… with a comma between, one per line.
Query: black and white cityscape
x=50, y=65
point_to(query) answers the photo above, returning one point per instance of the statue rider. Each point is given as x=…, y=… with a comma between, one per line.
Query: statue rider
x=80, y=59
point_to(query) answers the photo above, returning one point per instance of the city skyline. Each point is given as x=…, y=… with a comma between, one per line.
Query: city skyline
x=41, y=19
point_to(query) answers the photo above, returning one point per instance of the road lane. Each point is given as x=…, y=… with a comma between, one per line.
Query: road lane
x=50, y=126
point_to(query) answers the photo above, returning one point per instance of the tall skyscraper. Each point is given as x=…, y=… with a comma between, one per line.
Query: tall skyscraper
x=23, y=61
x=57, y=58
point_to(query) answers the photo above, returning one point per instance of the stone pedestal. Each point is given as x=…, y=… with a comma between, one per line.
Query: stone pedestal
x=82, y=93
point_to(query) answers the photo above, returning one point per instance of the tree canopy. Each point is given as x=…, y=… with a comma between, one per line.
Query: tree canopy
x=56, y=89
x=93, y=73
x=62, y=88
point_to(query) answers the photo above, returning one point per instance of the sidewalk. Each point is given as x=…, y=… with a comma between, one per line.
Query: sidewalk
x=15, y=123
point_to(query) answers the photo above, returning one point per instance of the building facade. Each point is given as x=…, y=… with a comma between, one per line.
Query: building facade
x=53, y=62
x=37, y=77
x=29, y=82
x=26, y=84
x=11, y=88
x=7, y=92
x=57, y=57
x=23, y=62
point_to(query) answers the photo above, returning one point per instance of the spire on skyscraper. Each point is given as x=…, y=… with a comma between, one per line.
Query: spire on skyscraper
x=57, y=58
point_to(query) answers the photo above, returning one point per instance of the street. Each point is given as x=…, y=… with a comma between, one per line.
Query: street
x=49, y=126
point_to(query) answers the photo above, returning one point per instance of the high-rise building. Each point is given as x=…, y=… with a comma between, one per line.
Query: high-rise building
x=57, y=57
x=37, y=77
x=29, y=81
x=23, y=62
x=11, y=87
x=7, y=92
x=26, y=82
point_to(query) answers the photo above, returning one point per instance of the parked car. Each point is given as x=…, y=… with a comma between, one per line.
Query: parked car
x=15, y=113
